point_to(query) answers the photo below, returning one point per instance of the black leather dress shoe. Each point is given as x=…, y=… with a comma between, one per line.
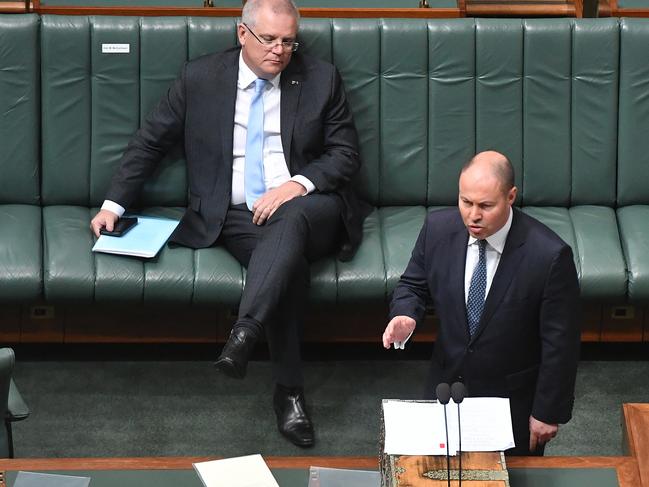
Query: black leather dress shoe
x=233, y=360
x=292, y=419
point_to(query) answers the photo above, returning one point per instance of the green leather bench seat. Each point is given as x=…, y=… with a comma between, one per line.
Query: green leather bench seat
x=634, y=230
x=21, y=270
x=633, y=150
x=181, y=275
x=567, y=100
x=20, y=212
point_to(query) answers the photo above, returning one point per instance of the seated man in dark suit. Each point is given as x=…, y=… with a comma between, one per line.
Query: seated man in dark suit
x=271, y=149
x=506, y=292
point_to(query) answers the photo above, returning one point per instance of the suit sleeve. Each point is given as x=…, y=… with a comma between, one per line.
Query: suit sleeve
x=339, y=161
x=560, y=341
x=162, y=129
x=411, y=294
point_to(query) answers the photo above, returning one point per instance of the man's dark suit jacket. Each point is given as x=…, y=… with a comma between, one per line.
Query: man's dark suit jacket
x=527, y=343
x=318, y=136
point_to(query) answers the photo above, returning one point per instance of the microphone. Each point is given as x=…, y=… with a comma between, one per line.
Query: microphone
x=443, y=393
x=458, y=392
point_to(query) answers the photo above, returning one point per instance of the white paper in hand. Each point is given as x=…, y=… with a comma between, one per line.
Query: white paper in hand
x=248, y=471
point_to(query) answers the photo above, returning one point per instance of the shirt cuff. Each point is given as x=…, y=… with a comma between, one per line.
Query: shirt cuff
x=114, y=207
x=310, y=187
x=402, y=345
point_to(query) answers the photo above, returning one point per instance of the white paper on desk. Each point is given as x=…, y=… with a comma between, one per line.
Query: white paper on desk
x=486, y=423
x=248, y=471
x=415, y=428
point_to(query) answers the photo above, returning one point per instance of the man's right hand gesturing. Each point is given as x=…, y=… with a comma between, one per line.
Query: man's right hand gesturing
x=398, y=330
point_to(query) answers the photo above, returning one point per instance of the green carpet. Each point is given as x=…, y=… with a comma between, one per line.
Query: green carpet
x=168, y=408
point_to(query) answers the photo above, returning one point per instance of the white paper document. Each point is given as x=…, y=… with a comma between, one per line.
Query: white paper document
x=414, y=428
x=248, y=471
x=486, y=423
x=144, y=240
x=418, y=428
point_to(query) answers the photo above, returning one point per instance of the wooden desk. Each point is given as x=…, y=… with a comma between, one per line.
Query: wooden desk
x=625, y=467
x=632, y=470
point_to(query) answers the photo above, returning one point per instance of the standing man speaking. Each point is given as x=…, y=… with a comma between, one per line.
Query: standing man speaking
x=271, y=150
x=506, y=292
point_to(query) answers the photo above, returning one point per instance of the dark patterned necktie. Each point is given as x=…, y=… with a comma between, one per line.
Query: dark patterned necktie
x=477, y=289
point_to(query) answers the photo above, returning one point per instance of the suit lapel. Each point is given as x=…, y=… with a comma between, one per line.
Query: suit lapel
x=459, y=241
x=291, y=87
x=225, y=90
x=507, y=268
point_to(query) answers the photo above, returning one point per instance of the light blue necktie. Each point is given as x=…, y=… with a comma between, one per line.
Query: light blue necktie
x=254, y=167
x=477, y=289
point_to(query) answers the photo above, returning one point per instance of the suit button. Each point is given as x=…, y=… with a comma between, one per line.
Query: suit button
x=460, y=378
x=470, y=350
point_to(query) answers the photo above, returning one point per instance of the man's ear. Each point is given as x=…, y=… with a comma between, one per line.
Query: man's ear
x=241, y=30
x=511, y=196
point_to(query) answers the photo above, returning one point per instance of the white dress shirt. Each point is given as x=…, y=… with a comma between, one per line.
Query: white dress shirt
x=275, y=169
x=493, y=251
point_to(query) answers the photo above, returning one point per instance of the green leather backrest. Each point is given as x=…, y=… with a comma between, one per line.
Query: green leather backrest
x=633, y=139
x=426, y=95
x=19, y=110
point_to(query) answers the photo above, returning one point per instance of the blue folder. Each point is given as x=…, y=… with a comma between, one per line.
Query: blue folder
x=144, y=240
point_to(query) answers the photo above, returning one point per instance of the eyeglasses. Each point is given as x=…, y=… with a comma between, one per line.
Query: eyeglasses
x=269, y=45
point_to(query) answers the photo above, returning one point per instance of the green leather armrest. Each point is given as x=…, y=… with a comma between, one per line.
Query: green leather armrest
x=17, y=409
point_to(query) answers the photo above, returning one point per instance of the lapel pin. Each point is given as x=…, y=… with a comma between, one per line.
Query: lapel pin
x=293, y=82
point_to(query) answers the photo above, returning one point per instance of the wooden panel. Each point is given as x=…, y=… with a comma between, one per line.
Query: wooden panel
x=427, y=332
x=140, y=324
x=622, y=323
x=236, y=12
x=122, y=323
x=9, y=324
x=522, y=8
x=636, y=435
x=41, y=324
x=591, y=322
x=605, y=8
x=345, y=323
x=15, y=7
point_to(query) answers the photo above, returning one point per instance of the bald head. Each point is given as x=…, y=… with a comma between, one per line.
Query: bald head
x=486, y=194
x=495, y=164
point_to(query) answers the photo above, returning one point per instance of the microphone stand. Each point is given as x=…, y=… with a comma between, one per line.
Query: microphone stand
x=448, y=453
x=458, y=392
x=459, y=450
x=443, y=393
